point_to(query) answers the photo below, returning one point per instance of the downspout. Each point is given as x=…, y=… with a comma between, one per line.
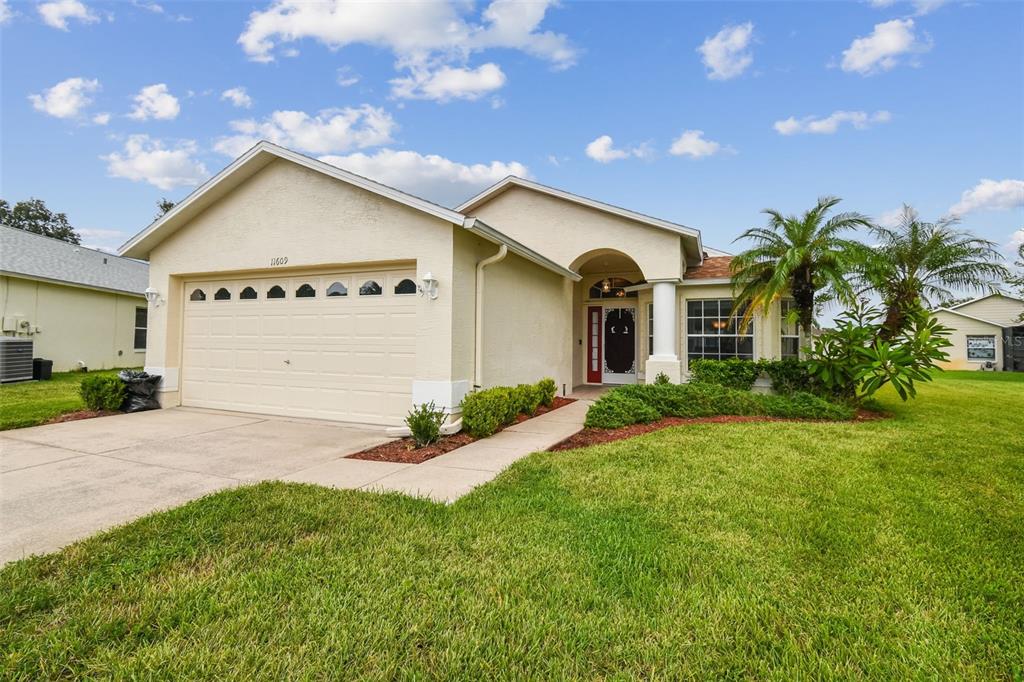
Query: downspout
x=478, y=369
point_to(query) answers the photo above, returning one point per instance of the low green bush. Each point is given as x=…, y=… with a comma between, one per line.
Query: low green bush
x=424, y=422
x=789, y=375
x=732, y=373
x=548, y=389
x=486, y=411
x=645, y=403
x=102, y=392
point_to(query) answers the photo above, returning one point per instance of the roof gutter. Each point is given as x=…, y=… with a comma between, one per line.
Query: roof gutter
x=479, y=227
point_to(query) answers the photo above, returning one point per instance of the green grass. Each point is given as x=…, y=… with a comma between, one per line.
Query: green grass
x=36, y=402
x=791, y=551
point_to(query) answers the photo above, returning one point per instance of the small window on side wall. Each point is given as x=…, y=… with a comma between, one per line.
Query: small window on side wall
x=248, y=294
x=275, y=292
x=370, y=288
x=305, y=291
x=197, y=295
x=337, y=289
x=405, y=287
x=222, y=295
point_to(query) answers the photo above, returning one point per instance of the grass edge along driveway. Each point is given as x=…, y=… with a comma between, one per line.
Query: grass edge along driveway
x=30, y=403
x=888, y=549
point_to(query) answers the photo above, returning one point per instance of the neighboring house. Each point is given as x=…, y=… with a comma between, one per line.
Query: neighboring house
x=80, y=307
x=986, y=330
x=288, y=286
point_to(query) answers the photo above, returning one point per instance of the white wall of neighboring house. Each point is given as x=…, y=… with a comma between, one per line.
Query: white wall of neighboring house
x=962, y=328
x=75, y=324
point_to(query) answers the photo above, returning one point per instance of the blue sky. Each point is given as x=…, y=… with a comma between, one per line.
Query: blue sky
x=714, y=110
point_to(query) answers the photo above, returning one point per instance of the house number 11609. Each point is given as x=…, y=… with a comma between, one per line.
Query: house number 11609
x=279, y=260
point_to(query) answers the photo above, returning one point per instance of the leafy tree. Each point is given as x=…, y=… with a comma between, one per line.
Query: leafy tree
x=802, y=256
x=163, y=206
x=917, y=263
x=33, y=216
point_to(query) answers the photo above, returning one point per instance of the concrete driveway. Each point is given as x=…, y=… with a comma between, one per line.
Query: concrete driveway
x=63, y=482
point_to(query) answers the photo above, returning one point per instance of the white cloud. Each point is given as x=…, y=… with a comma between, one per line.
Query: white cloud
x=448, y=83
x=921, y=7
x=329, y=131
x=65, y=99
x=56, y=14
x=101, y=119
x=430, y=176
x=990, y=195
x=860, y=120
x=347, y=76
x=693, y=144
x=6, y=13
x=237, y=96
x=408, y=29
x=145, y=159
x=890, y=218
x=726, y=54
x=1016, y=239
x=884, y=48
x=603, y=150
x=155, y=101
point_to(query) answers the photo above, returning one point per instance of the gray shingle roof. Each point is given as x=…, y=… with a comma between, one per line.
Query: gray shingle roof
x=32, y=255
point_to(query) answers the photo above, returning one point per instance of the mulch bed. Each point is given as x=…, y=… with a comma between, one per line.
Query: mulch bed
x=402, y=450
x=595, y=436
x=80, y=414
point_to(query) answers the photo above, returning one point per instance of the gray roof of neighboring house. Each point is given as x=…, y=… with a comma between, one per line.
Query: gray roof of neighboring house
x=32, y=255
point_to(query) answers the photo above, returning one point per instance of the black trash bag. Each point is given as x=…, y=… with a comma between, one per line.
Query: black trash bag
x=139, y=391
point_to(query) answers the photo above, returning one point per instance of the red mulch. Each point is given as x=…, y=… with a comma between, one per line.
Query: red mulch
x=402, y=450
x=80, y=414
x=595, y=436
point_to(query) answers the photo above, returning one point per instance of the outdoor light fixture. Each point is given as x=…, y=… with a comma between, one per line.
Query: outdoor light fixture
x=606, y=285
x=153, y=297
x=719, y=324
x=429, y=286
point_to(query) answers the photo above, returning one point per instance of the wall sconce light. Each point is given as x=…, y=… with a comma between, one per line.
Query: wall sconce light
x=429, y=286
x=153, y=297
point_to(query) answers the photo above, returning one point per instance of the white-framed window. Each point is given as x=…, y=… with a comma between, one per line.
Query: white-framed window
x=141, y=323
x=650, y=329
x=713, y=331
x=981, y=347
x=790, y=330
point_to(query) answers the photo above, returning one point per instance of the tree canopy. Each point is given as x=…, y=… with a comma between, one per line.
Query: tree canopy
x=33, y=216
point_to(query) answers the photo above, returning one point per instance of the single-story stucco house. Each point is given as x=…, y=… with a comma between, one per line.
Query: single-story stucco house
x=988, y=333
x=79, y=306
x=288, y=286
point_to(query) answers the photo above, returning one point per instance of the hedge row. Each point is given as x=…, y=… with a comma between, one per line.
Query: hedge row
x=788, y=376
x=484, y=412
x=646, y=403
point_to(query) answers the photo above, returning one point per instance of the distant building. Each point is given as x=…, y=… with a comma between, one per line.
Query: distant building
x=80, y=307
x=988, y=333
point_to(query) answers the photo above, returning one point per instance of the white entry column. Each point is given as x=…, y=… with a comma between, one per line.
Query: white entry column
x=666, y=329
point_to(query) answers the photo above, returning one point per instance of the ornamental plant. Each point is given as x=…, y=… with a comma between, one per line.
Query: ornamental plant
x=856, y=359
x=102, y=392
x=424, y=422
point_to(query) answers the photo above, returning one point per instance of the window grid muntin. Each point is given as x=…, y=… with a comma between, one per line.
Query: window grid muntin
x=986, y=352
x=713, y=331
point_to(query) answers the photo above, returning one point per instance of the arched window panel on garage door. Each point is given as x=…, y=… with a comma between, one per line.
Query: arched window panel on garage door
x=275, y=291
x=370, y=288
x=305, y=290
x=248, y=294
x=197, y=295
x=223, y=294
x=337, y=289
x=405, y=286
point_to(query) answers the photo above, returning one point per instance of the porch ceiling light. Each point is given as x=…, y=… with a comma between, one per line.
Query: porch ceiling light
x=429, y=286
x=606, y=285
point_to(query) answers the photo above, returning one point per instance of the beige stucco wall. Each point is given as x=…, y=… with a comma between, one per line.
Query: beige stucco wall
x=316, y=222
x=527, y=324
x=564, y=231
x=962, y=328
x=1002, y=309
x=75, y=324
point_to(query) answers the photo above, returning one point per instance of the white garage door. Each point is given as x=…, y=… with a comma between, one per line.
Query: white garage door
x=336, y=347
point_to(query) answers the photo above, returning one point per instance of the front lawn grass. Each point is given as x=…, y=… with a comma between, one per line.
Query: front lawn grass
x=888, y=549
x=30, y=403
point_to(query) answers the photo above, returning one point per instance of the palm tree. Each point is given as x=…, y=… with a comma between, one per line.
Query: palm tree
x=803, y=257
x=916, y=264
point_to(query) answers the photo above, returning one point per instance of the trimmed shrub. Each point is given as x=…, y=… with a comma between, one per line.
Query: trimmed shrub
x=424, y=422
x=645, y=403
x=547, y=389
x=527, y=398
x=788, y=376
x=732, y=373
x=661, y=379
x=102, y=392
x=616, y=409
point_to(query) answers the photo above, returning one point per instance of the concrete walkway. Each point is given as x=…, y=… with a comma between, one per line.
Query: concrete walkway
x=452, y=475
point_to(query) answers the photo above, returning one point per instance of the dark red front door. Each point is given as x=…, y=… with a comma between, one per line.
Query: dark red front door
x=594, y=344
